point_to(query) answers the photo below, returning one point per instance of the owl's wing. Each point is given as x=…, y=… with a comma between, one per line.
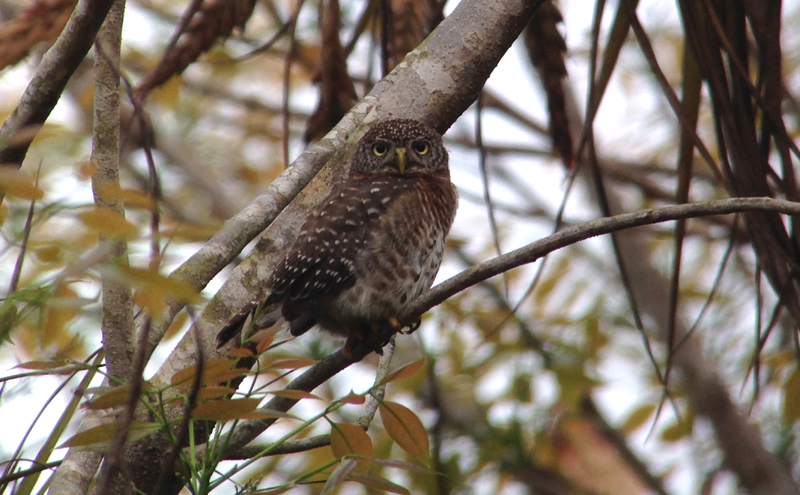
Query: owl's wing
x=322, y=260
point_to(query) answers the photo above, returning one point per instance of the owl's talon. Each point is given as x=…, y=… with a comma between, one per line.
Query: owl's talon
x=347, y=351
x=412, y=328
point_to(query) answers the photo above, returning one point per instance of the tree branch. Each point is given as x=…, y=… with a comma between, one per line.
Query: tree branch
x=594, y=228
x=331, y=365
x=44, y=90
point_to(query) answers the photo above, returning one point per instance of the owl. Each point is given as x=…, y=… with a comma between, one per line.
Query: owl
x=375, y=242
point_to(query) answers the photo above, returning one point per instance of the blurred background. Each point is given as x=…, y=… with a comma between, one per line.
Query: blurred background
x=561, y=376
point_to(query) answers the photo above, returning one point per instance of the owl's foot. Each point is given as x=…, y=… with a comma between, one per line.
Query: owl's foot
x=347, y=352
x=373, y=340
x=376, y=338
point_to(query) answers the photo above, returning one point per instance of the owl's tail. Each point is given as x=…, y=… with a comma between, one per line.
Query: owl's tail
x=250, y=320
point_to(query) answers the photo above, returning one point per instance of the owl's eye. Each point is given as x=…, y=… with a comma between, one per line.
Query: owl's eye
x=379, y=149
x=421, y=147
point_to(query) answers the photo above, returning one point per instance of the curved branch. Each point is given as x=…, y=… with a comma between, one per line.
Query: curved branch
x=336, y=362
x=594, y=228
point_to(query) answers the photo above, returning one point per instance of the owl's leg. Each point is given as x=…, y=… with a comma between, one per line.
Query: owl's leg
x=366, y=339
x=374, y=338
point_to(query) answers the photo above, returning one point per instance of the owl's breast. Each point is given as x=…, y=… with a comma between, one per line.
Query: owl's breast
x=401, y=251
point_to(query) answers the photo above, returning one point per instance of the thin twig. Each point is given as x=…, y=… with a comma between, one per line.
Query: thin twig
x=487, y=196
x=26, y=233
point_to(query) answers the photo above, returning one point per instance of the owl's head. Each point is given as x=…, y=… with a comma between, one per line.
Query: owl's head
x=400, y=146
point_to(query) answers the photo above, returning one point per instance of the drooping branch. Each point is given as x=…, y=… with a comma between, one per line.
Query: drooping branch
x=44, y=91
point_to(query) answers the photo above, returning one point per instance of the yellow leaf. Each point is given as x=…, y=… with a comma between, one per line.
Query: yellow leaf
x=349, y=439
x=791, y=397
x=49, y=252
x=99, y=437
x=107, y=222
x=225, y=410
x=152, y=301
x=404, y=372
x=98, y=434
x=62, y=309
x=210, y=368
x=214, y=392
x=131, y=198
x=405, y=428
x=168, y=93
x=41, y=365
x=177, y=324
x=106, y=398
x=678, y=431
x=112, y=398
x=153, y=281
x=86, y=169
x=18, y=184
x=638, y=418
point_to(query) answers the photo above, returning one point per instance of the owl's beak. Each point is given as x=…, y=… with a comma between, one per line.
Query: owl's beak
x=401, y=159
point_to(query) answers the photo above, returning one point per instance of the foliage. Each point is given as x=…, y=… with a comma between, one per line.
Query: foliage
x=632, y=363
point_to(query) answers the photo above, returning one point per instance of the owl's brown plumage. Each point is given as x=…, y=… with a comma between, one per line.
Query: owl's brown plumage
x=376, y=241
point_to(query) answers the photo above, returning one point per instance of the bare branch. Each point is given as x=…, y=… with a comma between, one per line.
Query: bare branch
x=601, y=226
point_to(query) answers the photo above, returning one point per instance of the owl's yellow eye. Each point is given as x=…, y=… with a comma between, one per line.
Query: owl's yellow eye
x=421, y=147
x=379, y=149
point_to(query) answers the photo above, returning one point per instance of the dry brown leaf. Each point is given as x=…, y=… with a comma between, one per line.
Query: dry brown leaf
x=42, y=22
x=406, y=429
x=349, y=439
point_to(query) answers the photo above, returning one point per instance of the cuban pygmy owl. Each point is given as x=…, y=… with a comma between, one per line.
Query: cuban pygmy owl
x=375, y=242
